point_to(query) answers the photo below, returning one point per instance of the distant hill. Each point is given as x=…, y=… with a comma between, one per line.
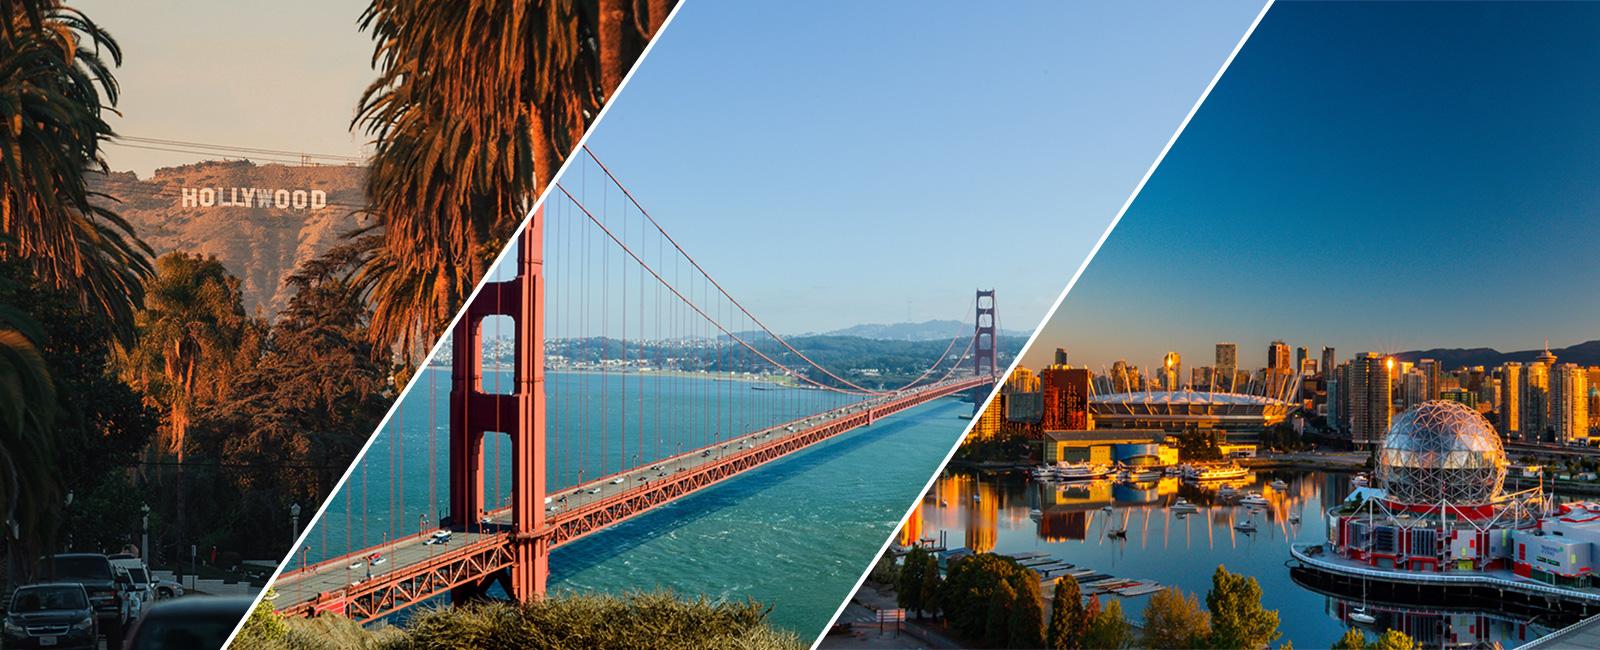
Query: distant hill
x=924, y=331
x=261, y=221
x=1587, y=354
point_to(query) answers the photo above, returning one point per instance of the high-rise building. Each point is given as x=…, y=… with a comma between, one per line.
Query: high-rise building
x=1569, y=403
x=1329, y=361
x=1371, y=397
x=1061, y=356
x=1461, y=395
x=1510, y=407
x=1023, y=380
x=1278, y=356
x=1065, y=393
x=1200, y=378
x=1308, y=367
x=1300, y=355
x=1227, y=364
x=1413, y=389
x=989, y=421
x=1536, y=398
x=1171, y=371
x=1430, y=375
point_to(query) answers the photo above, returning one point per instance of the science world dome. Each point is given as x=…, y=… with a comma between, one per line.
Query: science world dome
x=1441, y=451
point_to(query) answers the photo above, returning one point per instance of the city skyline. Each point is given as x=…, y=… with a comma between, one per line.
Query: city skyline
x=1300, y=204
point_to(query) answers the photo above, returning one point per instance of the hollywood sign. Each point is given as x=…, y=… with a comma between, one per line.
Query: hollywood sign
x=253, y=197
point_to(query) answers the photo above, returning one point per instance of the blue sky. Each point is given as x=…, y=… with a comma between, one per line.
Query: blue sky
x=879, y=161
x=1369, y=176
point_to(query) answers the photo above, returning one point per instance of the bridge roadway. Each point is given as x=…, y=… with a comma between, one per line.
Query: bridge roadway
x=352, y=585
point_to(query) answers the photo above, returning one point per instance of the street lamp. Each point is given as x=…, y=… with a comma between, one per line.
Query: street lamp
x=294, y=516
x=144, y=535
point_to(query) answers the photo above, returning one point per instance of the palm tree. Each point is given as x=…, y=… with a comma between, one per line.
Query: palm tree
x=189, y=330
x=27, y=399
x=476, y=105
x=54, y=74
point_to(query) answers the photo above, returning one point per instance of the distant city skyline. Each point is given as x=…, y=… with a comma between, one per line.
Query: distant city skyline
x=1323, y=197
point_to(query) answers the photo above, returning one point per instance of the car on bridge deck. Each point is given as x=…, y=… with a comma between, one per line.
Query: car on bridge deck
x=438, y=537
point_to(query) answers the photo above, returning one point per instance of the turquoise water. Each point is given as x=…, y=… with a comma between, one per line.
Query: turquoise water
x=795, y=534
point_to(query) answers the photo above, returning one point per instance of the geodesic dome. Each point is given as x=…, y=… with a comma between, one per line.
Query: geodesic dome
x=1441, y=451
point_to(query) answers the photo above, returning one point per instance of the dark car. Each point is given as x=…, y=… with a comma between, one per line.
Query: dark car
x=194, y=622
x=52, y=615
x=104, y=586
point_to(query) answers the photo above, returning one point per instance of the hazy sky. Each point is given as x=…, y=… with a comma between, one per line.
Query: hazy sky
x=1376, y=177
x=272, y=75
x=880, y=161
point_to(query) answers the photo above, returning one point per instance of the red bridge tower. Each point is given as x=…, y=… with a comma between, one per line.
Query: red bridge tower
x=520, y=415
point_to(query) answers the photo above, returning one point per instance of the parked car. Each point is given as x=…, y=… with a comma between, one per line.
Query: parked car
x=139, y=575
x=166, y=588
x=196, y=622
x=50, y=615
x=104, y=586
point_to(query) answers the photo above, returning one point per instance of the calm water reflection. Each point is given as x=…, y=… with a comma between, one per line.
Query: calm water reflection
x=1011, y=513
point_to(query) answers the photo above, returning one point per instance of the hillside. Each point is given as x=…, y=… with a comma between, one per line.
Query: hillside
x=1587, y=354
x=924, y=331
x=217, y=208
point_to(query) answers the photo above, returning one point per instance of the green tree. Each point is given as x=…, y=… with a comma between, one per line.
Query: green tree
x=304, y=399
x=908, y=591
x=462, y=152
x=1237, y=618
x=1174, y=620
x=55, y=76
x=1393, y=639
x=997, y=616
x=885, y=572
x=190, y=327
x=264, y=623
x=1109, y=628
x=1353, y=639
x=89, y=443
x=932, y=584
x=1067, y=616
x=1027, y=612
x=974, y=586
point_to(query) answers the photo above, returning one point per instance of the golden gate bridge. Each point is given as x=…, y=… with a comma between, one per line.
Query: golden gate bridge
x=683, y=387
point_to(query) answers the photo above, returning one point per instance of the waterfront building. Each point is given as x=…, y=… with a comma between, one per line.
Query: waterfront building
x=1227, y=365
x=1438, y=505
x=1129, y=447
x=1187, y=410
x=1065, y=398
x=1569, y=403
x=990, y=419
x=1510, y=400
x=1371, y=397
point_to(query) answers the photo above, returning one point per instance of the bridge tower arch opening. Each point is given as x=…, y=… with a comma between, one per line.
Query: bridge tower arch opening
x=519, y=415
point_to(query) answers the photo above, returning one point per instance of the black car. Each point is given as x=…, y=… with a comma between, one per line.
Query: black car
x=193, y=622
x=52, y=615
x=104, y=586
